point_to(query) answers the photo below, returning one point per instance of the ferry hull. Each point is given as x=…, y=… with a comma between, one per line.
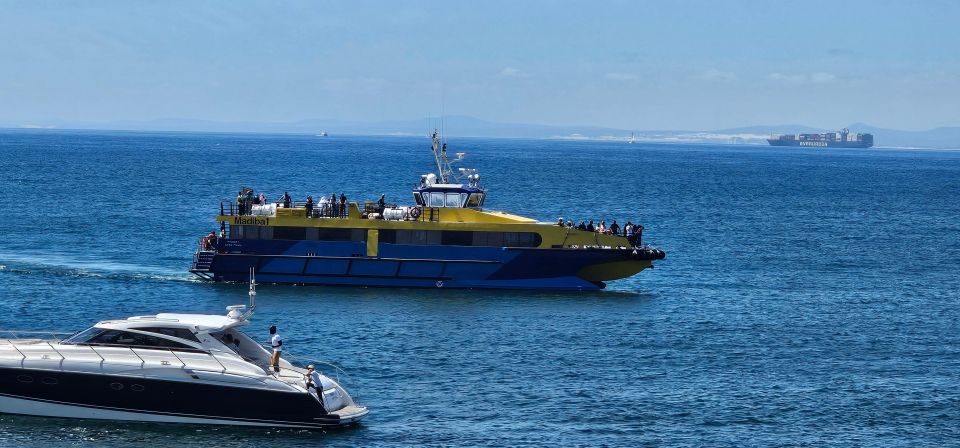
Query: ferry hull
x=441, y=267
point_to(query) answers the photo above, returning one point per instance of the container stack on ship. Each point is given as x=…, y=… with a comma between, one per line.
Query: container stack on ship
x=842, y=139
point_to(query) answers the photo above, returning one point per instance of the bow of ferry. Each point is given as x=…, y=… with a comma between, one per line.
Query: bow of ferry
x=446, y=240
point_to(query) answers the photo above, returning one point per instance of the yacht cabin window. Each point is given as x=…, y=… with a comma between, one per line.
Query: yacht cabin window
x=436, y=199
x=181, y=333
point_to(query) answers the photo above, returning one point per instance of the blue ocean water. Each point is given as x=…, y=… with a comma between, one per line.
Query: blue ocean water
x=808, y=298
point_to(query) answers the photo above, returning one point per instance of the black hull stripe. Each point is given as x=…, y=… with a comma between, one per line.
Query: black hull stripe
x=208, y=417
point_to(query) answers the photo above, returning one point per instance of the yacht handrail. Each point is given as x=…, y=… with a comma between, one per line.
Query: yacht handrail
x=18, y=334
x=183, y=365
x=293, y=360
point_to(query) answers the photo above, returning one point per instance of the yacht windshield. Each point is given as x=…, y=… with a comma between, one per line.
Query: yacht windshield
x=83, y=336
x=100, y=336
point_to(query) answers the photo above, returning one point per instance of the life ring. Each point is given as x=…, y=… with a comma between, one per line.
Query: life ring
x=415, y=212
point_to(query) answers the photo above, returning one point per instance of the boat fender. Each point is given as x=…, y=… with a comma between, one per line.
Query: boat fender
x=415, y=212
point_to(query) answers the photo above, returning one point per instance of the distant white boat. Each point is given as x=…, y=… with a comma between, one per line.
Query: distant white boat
x=633, y=138
x=322, y=134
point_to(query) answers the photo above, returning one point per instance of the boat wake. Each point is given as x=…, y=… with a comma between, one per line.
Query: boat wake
x=64, y=265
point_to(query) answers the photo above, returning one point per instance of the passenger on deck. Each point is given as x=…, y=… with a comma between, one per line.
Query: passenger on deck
x=312, y=378
x=602, y=228
x=381, y=205
x=248, y=202
x=569, y=224
x=560, y=222
x=209, y=240
x=615, y=228
x=277, y=343
x=285, y=200
x=309, y=206
x=333, y=205
x=582, y=226
x=240, y=201
x=324, y=205
x=628, y=230
x=590, y=227
x=343, y=205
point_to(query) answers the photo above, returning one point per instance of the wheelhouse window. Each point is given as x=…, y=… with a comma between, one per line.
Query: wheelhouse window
x=452, y=200
x=436, y=199
x=475, y=200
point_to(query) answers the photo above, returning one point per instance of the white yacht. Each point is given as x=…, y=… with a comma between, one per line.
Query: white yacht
x=178, y=368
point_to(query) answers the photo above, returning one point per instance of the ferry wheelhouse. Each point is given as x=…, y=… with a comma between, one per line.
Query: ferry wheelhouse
x=446, y=239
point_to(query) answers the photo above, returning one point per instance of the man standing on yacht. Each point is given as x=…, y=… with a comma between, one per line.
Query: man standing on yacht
x=277, y=343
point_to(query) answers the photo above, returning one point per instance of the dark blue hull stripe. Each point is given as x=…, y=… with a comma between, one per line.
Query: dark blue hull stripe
x=334, y=421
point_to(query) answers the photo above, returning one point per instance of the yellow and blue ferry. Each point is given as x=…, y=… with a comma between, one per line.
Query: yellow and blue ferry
x=447, y=239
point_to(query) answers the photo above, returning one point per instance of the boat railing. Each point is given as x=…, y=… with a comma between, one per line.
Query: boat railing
x=38, y=335
x=301, y=364
x=319, y=210
x=21, y=347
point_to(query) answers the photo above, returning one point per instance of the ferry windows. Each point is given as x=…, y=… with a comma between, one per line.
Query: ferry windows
x=248, y=232
x=453, y=200
x=289, y=233
x=297, y=233
x=460, y=238
x=454, y=238
x=181, y=333
x=492, y=239
x=436, y=199
x=266, y=232
x=320, y=233
x=358, y=235
x=420, y=202
x=529, y=239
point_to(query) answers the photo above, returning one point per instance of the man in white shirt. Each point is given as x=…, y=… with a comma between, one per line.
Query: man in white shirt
x=332, y=399
x=277, y=343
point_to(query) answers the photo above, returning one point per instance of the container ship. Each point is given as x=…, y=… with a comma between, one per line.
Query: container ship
x=447, y=238
x=842, y=139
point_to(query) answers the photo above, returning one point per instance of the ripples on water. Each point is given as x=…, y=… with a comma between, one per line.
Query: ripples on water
x=808, y=297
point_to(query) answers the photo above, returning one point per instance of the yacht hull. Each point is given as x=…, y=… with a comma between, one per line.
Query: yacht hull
x=53, y=393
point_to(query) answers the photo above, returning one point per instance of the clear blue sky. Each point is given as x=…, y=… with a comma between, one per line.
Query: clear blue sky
x=627, y=64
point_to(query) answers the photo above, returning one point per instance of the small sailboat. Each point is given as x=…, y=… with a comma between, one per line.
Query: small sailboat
x=633, y=138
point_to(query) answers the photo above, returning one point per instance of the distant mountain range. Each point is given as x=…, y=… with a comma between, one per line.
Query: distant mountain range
x=464, y=126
